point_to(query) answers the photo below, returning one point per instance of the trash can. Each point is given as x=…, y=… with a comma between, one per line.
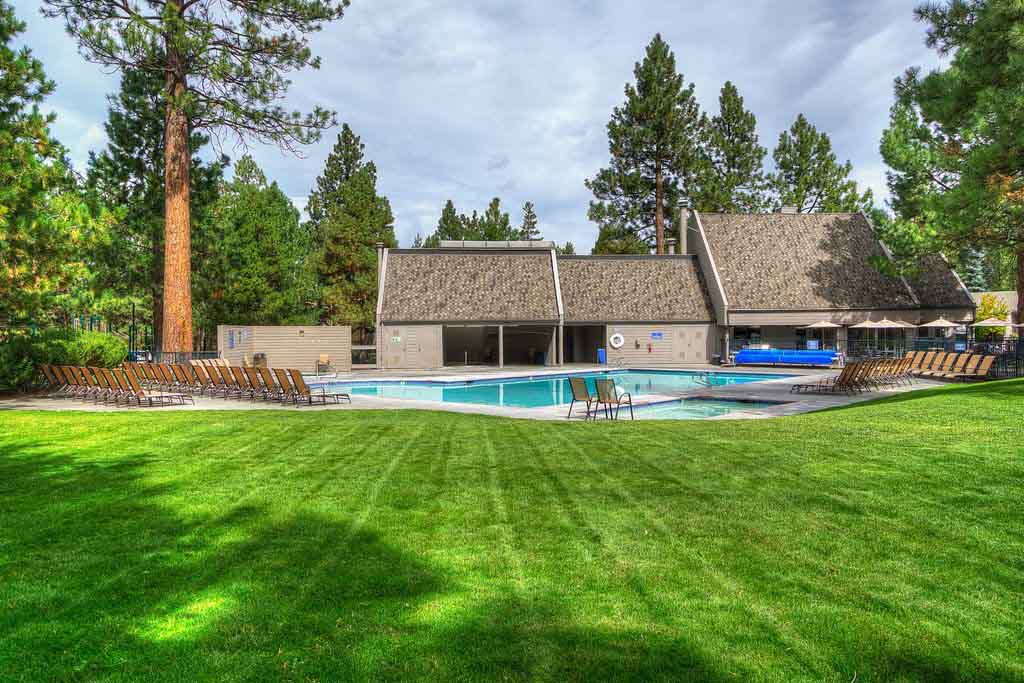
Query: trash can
x=259, y=360
x=602, y=357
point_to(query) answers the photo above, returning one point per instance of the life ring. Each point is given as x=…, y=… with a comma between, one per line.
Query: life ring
x=616, y=341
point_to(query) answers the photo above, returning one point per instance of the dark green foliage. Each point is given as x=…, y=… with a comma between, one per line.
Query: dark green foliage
x=494, y=224
x=348, y=220
x=46, y=230
x=21, y=354
x=808, y=176
x=568, y=249
x=129, y=173
x=255, y=266
x=731, y=176
x=230, y=59
x=529, y=229
x=611, y=240
x=876, y=543
x=652, y=141
x=954, y=142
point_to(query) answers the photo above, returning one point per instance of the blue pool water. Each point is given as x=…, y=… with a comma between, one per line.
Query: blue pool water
x=541, y=392
x=697, y=408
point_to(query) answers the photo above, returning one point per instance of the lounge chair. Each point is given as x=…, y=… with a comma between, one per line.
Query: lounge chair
x=981, y=372
x=959, y=367
x=57, y=387
x=846, y=381
x=244, y=385
x=134, y=392
x=230, y=385
x=287, y=392
x=274, y=390
x=259, y=388
x=611, y=400
x=581, y=394
x=306, y=395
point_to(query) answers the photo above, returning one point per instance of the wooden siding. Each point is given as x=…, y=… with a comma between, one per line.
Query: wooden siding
x=651, y=345
x=287, y=346
x=409, y=347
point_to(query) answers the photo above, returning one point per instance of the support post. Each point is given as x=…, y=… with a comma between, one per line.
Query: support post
x=501, y=346
x=561, y=344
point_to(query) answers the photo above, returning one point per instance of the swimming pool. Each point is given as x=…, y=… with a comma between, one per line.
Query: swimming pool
x=541, y=392
x=698, y=408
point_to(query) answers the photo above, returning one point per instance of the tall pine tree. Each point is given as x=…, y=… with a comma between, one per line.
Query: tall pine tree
x=495, y=224
x=351, y=218
x=808, y=176
x=652, y=140
x=224, y=66
x=732, y=178
x=129, y=173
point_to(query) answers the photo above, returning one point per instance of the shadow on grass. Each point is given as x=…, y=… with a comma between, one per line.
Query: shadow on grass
x=106, y=575
x=1006, y=389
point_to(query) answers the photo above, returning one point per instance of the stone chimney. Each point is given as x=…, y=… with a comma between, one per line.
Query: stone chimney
x=684, y=230
x=788, y=208
x=670, y=245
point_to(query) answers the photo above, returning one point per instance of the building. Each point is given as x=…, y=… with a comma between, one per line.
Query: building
x=737, y=279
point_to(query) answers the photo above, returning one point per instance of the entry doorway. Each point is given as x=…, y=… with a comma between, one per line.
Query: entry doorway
x=530, y=345
x=470, y=344
x=582, y=343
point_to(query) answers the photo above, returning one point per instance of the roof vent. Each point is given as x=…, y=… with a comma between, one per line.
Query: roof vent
x=670, y=245
x=788, y=208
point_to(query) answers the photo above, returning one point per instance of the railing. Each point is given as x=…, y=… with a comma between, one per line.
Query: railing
x=171, y=357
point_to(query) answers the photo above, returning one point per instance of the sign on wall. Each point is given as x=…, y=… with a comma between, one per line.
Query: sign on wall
x=657, y=335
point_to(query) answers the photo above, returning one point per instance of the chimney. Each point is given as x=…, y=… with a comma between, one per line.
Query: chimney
x=685, y=215
x=670, y=245
x=788, y=208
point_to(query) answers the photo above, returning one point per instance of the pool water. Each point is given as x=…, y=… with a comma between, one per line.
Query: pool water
x=541, y=392
x=697, y=408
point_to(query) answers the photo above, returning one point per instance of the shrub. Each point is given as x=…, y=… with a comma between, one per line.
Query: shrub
x=21, y=355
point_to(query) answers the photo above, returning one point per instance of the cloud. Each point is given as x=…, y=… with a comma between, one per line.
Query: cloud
x=466, y=100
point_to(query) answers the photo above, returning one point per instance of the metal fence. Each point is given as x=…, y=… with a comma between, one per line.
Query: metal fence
x=171, y=356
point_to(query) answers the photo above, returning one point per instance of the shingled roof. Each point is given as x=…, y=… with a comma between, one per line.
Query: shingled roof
x=469, y=286
x=802, y=262
x=632, y=289
x=937, y=286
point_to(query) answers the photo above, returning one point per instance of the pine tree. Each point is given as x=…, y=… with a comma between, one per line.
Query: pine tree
x=449, y=227
x=652, y=140
x=224, y=67
x=954, y=142
x=808, y=176
x=257, y=270
x=495, y=224
x=47, y=234
x=345, y=159
x=529, y=229
x=353, y=219
x=129, y=173
x=566, y=250
x=731, y=172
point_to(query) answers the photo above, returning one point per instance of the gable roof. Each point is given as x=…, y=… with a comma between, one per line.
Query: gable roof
x=633, y=289
x=425, y=285
x=937, y=286
x=801, y=262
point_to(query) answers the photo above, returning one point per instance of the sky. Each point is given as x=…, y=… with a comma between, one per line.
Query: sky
x=472, y=99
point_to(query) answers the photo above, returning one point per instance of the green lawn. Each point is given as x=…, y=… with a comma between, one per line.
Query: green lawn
x=875, y=543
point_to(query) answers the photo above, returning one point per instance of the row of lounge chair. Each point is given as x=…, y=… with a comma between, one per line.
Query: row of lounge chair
x=605, y=398
x=869, y=375
x=135, y=383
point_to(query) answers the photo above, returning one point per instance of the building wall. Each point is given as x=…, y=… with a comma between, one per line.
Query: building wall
x=800, y=318
x=652, y=345
x=409, y=347
x=287, y=346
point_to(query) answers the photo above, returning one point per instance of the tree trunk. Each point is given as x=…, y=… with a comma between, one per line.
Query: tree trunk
x=659, y=218
x=158, y=318
x=177, y=323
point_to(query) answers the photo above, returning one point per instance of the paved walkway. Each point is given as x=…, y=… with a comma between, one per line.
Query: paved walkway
x=776, y=391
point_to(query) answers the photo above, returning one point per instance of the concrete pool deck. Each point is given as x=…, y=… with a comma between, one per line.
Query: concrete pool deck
x=771, y=390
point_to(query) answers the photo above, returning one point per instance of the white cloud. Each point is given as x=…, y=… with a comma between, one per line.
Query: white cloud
x=468, y=99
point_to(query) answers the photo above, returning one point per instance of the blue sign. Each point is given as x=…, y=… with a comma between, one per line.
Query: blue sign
x=657, y=335
x=231, y=339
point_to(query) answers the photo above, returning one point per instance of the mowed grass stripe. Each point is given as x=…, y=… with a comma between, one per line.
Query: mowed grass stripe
x=882, y=542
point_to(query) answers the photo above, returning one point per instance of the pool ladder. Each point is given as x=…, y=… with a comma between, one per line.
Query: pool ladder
x=703, y=379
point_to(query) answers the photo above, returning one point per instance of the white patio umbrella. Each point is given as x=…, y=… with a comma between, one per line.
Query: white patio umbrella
x=941, y=322
x=867, y=325
x=992, y=322
x=886, y=324
x=822, y=325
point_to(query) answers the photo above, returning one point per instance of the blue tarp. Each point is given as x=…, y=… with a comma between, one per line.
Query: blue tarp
x=784, y=357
